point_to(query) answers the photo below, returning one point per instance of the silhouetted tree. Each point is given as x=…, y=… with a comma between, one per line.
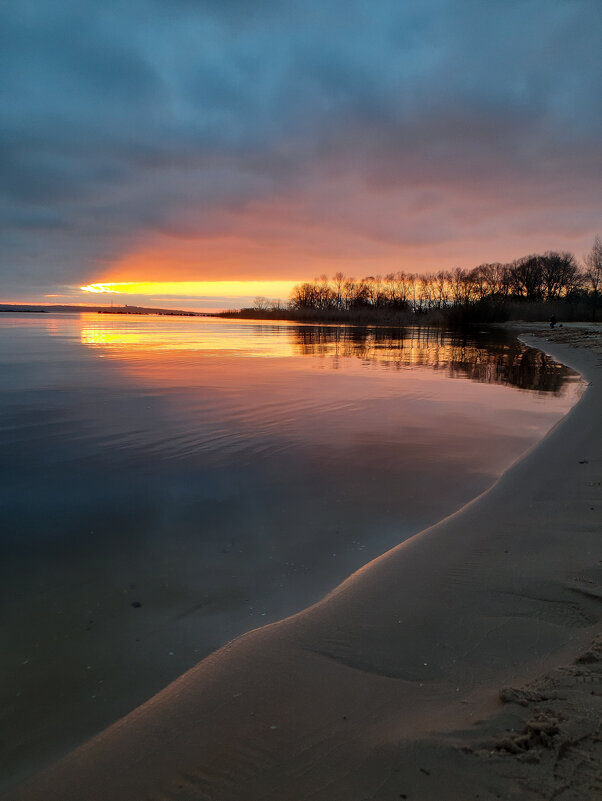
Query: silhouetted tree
x=559, y=274
x=549, y=277
x=526, y=278
x=593, y=272
x=338, y=281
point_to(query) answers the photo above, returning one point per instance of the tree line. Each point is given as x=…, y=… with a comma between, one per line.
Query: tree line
x=536, y=278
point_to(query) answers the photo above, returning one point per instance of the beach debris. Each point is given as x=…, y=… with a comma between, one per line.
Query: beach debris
x=540, y=731
x=592, y=655
x=523, y=697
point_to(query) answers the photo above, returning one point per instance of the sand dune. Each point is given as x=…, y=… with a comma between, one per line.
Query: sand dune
x=391, y=686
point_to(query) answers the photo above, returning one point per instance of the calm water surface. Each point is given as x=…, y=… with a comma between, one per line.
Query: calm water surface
x=170, y=483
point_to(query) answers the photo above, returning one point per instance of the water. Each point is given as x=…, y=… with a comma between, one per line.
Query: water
x=167, y=484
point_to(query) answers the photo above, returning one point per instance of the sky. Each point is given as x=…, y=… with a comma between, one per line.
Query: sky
x=194, y=152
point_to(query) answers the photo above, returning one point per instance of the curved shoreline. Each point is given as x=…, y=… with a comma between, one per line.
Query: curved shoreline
x=332, y=701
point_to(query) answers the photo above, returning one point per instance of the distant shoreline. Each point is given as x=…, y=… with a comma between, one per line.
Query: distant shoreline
x=452, y=318
x=36, y=308
x=25, y=311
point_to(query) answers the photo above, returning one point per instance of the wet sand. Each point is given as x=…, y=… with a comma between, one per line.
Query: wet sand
x=431, y=673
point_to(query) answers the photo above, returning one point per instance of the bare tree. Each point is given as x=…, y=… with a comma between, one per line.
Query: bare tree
x=527, y=276
x=537, y=278
x=441, y=286
x=303, y=296
x=348, y=293
x=593, y=271
x=559, y=274
x=338, y=281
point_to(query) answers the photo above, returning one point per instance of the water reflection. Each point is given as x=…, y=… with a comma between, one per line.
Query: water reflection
x=498, y=359
x=492, y=357
x=147, y=335
x=220, y=474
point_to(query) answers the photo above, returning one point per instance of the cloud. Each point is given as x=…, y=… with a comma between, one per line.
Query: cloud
x=281, y=137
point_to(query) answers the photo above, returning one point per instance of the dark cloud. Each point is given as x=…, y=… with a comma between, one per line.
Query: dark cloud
x=431, y=123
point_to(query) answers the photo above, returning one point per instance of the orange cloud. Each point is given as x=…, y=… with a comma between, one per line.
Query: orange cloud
x=345, y=221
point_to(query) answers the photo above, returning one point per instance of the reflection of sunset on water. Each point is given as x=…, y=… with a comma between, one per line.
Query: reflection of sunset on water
x=227, y=473
x=151, y=339
x=142, y=337
x=275, y=387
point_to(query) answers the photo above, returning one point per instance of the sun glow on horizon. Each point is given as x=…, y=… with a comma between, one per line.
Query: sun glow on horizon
x=182, y=289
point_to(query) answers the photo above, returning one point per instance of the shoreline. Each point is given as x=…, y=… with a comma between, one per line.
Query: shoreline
x=338, y=700
x=49, y=308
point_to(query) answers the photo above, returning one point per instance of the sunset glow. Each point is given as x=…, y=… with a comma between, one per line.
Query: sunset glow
x=181, y=289
x=296, y=476
x=352, y=148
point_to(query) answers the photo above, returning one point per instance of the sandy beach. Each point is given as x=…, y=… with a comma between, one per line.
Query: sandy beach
x=465, y=663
